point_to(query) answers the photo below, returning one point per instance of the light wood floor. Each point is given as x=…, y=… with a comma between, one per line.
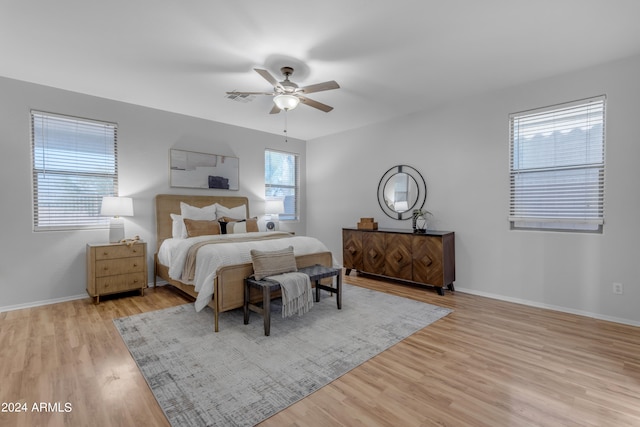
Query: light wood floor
x=489, y=363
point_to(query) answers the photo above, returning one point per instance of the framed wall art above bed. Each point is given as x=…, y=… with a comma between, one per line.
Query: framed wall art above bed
x=191, y=169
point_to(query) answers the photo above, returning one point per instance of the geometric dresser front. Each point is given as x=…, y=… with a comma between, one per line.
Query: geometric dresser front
x=421, y=258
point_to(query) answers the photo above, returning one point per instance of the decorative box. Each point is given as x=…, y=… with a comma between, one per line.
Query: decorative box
x=367, y=224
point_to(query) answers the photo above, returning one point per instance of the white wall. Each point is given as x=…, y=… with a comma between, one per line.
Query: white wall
x=460, y=148
x=462, y=151
x=47, y=266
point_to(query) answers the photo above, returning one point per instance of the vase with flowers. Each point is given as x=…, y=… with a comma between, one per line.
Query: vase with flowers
x=419, y=220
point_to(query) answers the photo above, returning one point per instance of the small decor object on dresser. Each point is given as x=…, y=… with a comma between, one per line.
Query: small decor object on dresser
x=367, y=224
x=114, y=268
x=419, y=220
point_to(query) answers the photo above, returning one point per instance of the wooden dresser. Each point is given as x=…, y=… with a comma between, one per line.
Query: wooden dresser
x=113, y=268
x=423, y=258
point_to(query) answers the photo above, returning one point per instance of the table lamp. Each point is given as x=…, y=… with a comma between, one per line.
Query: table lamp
x=273, y=207
x=116, y=207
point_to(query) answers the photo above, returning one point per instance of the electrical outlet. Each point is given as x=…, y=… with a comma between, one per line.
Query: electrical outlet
x=617, y=288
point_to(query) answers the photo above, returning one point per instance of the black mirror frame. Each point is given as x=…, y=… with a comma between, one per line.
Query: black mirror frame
x=420, y=200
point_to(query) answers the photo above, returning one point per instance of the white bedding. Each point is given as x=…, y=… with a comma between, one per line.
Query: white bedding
x=173, y=253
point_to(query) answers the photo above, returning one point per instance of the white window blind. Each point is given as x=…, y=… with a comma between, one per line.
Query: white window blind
x=282, y=180
x=557, y=165
x=74, y=166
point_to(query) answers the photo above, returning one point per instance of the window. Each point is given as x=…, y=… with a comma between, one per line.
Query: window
x=557, y=167
x=281, y=180
x=74, y=165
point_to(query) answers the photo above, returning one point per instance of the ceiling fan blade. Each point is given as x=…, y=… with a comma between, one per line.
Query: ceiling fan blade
x=268, y=77
x=275, y=110
x=235, y=92
x=320, y=87
x=315, y=104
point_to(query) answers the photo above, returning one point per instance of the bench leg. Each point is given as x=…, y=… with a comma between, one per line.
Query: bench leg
x=215, y=311
x=266, y=309
x=246, y=303
x=339, y=292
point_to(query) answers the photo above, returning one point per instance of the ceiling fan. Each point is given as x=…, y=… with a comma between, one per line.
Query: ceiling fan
x=287, y=95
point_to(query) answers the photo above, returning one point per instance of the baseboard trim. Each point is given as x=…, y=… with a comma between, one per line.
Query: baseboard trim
x=43, y=302
x=57, y=300
x=549, y=307
x=463, y=290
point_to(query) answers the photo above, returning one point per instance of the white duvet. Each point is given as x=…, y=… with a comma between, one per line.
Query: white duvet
x=173, y=253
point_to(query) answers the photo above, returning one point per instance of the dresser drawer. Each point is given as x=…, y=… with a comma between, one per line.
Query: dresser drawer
x=119, y=251
x=112, y=267
x=120, y=283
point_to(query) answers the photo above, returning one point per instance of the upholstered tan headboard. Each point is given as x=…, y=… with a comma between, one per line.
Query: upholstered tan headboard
x=167, y=204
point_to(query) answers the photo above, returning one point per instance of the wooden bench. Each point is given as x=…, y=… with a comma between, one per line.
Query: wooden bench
x=266, y=286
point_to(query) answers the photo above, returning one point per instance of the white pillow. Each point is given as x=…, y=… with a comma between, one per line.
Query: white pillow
x=177, y=227
x=193, y=212
x=239, y=212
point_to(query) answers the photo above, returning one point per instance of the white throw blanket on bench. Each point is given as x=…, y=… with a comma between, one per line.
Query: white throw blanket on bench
x=297, y=296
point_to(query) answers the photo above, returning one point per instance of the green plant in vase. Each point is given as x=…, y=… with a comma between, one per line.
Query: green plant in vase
x=419, y=220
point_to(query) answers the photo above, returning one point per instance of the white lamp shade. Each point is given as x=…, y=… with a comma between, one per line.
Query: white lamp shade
x=274, y=206
x=286, y=102
x=117, y=206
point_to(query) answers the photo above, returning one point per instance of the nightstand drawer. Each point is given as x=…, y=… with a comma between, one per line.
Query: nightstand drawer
x=112, y=267
x=119, y=283
x=119, y=251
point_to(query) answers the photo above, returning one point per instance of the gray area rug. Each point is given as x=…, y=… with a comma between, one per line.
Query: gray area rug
x=239, y=377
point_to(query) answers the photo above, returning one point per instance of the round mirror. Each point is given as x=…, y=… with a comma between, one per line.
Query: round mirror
x=401, y=190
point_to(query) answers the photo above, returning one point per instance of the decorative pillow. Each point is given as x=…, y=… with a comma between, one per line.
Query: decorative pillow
x=239, y=212
x=177, y=227
x=236, y=226
x=270, y=263
x=194, y=212
x=201, y=227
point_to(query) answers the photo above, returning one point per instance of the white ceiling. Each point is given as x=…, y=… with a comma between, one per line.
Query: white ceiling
x=390, y=57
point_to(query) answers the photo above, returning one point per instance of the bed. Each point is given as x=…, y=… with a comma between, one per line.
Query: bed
x=225, y=281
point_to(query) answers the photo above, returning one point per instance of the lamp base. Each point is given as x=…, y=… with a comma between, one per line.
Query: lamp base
x=116, y=230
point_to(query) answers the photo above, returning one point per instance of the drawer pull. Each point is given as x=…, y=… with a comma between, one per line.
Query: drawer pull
x=135, y=265
x=105, y=253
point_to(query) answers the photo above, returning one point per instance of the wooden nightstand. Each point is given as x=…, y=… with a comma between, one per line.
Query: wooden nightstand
x=113, y=268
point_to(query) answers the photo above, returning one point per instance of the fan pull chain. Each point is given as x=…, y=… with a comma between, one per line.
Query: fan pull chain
x=285, y=126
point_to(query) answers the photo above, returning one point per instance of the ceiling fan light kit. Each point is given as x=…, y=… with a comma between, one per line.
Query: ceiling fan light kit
x=286, y=102
x=287, y=95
